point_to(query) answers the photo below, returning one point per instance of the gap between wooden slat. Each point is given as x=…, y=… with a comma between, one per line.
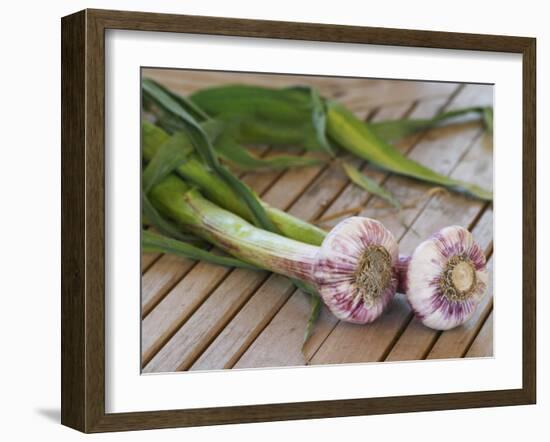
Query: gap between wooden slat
x=150, y=264
x=473, y=351
x=284, y=294
x=146, y=357
x=478, y=331
x=192, y=360
x=425, y=203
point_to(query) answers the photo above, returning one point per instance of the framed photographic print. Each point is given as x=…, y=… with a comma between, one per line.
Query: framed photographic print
x=271, y=220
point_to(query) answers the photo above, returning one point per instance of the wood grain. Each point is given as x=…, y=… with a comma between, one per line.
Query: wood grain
x=163, y=321
x=73, y=221
x=160, y=278
x=241, y=331
x=147, y=260
x=218, y=309
x=482, y=346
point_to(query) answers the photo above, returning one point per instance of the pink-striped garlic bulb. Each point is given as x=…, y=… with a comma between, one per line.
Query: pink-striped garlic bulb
x=355, y=271
x=445, y=278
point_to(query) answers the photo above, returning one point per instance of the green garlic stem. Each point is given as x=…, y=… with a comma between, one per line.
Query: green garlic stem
x=231, y=233
x=215, y=189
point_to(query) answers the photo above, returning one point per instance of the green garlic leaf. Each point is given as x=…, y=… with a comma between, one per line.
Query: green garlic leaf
x=315, y=312
x=256, y=115
x=355, y=136
x=155, y=219
x=242, y=158
x=369, y=185
x=393, y=130
x=153, y=242
x=171, y=154
x=201, y=142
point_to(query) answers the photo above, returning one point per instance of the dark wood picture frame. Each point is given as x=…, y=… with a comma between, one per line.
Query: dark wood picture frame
x=83, y=216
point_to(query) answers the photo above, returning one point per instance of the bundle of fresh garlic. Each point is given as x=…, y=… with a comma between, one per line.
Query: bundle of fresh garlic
x=356, y=269
x=190, y=195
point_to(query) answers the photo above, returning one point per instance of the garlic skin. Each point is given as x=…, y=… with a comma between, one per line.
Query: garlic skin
x=355, y=270
x=402, y=267
x=446, y=278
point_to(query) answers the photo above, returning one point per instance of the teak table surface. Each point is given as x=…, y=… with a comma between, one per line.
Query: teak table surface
x=199, y=316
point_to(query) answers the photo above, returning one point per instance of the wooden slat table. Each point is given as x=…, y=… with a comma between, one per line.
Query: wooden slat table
x=198, y=316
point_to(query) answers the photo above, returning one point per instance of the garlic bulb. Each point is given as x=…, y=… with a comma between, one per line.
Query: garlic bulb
x=355, y=271
x=446, y=278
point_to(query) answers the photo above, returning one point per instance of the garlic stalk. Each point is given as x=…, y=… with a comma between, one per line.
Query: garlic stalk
x=353, y=270
x=445, y=278
x=214, y=188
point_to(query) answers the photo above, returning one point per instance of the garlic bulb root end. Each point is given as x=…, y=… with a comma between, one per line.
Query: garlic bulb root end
x=355, y=272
